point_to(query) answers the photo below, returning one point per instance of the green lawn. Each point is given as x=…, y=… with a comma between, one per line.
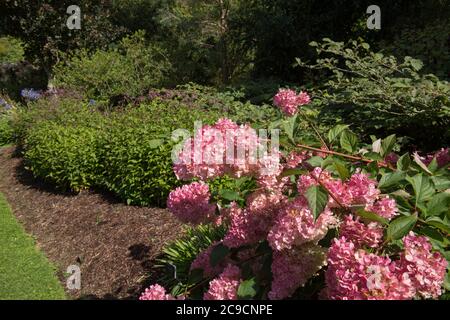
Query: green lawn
x=25, y=273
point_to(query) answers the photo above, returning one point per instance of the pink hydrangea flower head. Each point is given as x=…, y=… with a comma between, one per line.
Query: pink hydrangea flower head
x=291, y=269
x=295, y=225
x=362, y=189
x=190, y=203
x=246, y=228
x=294, y=159
x=288, y=100
x=357, y=275
x=361, y=234
x=156, y=292
x=225, y=286
x=384, y=207
x=425, y=268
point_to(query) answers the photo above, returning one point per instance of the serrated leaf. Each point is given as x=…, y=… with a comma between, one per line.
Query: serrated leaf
x=438, y=204
x=334, y=132
x=317, y=198
x=289, y=127
x=293, y=171
x=343, y=172
x=371, y=216
x=247, y=289
x=400, y=227
x=404, y=162
x=387, y=145
x=349, y=141
x=423, y=187
x=439, y=223
x=390, y=179
x=315, y=161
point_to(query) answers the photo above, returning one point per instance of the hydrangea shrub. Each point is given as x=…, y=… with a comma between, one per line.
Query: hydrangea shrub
x=341, y=220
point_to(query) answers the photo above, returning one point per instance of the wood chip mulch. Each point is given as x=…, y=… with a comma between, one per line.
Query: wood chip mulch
x=114, y=244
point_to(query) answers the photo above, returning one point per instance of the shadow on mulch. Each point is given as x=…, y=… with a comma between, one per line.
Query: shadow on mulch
x=114, y=244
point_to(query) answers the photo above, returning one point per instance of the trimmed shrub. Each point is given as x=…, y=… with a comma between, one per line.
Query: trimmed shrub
x=137, y=154
x=64, y=155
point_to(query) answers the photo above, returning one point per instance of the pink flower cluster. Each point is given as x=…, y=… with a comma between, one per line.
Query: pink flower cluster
x=354, y=274
x=360, y=234
x=426, y=269
x=294, y=159
x=252, y=224
x=190, y=203
x=288, y=100
x=156, y=292
x=295, y=225
x=291, y=269
x=225, y=286
x=225, y=148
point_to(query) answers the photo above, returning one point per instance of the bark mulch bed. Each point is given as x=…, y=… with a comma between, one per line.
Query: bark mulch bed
x=114, y=244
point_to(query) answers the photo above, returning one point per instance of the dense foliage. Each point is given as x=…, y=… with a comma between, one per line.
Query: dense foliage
x=313, y=217
x=129, y=70
x=379, y=94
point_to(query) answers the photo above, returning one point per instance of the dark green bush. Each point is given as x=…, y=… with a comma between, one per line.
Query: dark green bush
x=127, y=70
x=64, y=155
x=230, y=103
x=380, y=95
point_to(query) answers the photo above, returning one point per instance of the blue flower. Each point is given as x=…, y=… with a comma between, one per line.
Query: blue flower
x=6, y=105
x=30, y=94
x=92, y=102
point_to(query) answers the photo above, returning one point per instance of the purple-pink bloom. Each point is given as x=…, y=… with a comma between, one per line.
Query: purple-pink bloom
x=288, y=100
x=225, y=286
x=190, y=203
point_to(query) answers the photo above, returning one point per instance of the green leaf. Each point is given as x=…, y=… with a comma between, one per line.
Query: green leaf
x=387, y=145
x=293, y=171
x=433, y=166
x=315, y=161
x=343, y=172
x=349, y=141
x=416, y=64
x=229, y=195
x=439, y=223
x=317, y=198
x=289, y=127
x=334, y=132
x=391, y=179
x=155, y=143
x=218, y=254
x=247, y=289
x=400, y=227
x=371, y=216
x=438, y=204
x=404, y=162
x=441, y=183
x=423, y=187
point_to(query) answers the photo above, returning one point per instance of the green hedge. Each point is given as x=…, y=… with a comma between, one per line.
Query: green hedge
x=64, y=155
x=127, y=151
